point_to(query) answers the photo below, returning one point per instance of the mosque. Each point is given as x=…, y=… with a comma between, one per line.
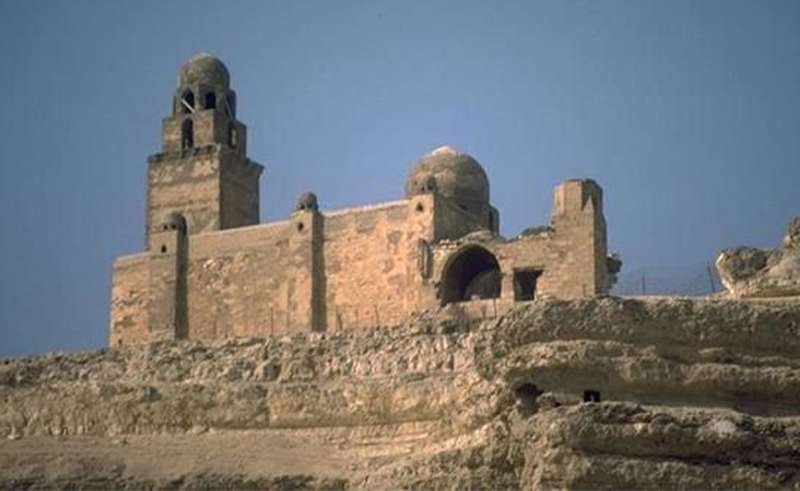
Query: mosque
x=211, y=270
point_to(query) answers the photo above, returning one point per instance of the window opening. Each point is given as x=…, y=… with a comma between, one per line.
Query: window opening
x=187, y=102
x=525, y=284
x=211, y=100
x=187, y=134
x=591, y=396
x=232, y=135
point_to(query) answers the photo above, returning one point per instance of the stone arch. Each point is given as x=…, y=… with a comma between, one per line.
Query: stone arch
x=472, y=272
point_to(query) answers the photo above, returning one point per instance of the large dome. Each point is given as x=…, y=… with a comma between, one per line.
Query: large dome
x=453, y=174
x=204, y=68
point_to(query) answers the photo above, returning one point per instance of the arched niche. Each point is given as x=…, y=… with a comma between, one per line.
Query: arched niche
x=471, y=273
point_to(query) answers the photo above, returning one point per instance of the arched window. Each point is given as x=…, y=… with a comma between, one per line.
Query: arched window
x=187, y=134
x=232, y=135
x=473, y=273
x=232, y=104
x=187, y=102
x=211, y=100
x=229, y=105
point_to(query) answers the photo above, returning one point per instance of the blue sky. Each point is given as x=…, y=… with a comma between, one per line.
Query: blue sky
x=686, y=112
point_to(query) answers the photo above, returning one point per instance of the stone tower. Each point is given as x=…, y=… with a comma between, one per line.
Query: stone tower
x=578, y=220
x=203, y=173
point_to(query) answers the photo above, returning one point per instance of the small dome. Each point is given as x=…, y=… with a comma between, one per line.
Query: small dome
x=453, y=174
x=307, y=202
x=204, y=68
x=174, y=221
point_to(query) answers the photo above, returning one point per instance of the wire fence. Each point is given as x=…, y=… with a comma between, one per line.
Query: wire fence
x=693, y=280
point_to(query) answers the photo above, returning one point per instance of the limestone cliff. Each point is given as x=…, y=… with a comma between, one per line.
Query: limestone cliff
x=751, y=272
x=693, y=394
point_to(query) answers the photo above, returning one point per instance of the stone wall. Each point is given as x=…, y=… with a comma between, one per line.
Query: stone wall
x=188, y=185
x=212, y=187
x=239, y=193
x=540, y=252
x=251, y=281
x=129, y=300
x=569, y=256
x=348, y=269
x=366, y=270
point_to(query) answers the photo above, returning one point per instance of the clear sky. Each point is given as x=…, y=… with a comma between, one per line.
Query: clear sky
x=686, y=112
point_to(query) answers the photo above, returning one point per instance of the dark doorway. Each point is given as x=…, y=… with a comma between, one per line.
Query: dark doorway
x=525, y=283
x=473, y=274
x=187, y=134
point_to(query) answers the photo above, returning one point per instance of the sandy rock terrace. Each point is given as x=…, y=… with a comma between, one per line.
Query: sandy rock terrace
x=693, y=394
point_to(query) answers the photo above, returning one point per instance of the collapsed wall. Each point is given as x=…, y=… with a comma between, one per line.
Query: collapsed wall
x=593, y=394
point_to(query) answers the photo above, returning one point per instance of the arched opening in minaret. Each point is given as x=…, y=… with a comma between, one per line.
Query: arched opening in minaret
x=471, y=274
x=211, y=100
x=232, y=135
x=187, y=102
x=187, y=134
x=229, y=104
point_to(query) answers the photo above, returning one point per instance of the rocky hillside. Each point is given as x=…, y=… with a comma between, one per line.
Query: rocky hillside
x=691, y=394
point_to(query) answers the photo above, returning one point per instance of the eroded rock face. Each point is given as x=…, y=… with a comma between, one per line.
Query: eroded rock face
x=749, y=272
x=792, y=238
x=693, y=394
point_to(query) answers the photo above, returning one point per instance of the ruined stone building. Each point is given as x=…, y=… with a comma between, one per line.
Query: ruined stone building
x=211, y=270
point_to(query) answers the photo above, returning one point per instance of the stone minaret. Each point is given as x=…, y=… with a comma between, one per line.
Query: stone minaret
x=203, y=173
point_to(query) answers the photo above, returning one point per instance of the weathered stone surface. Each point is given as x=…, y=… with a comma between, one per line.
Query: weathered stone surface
x=749, y=272
x=695, y=394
